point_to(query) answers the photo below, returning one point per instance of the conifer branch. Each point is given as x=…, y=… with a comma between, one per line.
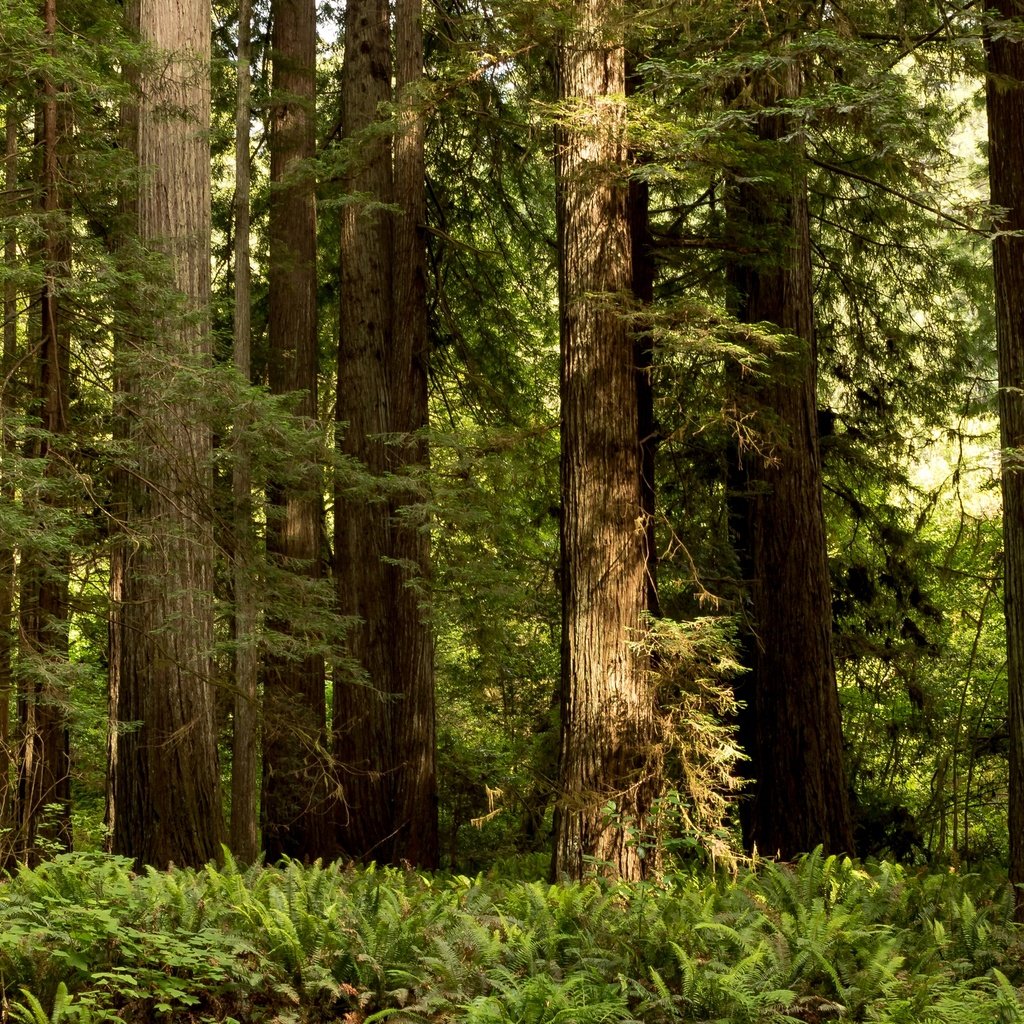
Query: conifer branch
x=847, y=172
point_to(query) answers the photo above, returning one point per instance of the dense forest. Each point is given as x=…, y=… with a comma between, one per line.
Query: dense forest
x=440, y=434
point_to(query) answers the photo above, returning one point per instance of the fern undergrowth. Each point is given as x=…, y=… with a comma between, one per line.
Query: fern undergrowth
x=84, y=939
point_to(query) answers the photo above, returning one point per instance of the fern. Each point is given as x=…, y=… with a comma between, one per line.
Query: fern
x=31, y=1010
x=660, y=1003
x=1008, y=1000
x=85, y=939
x=66, y=1010
x=577, y=999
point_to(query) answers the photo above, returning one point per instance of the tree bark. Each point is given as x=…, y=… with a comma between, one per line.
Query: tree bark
x=413, y=645
x=295, y=813
x=1004, y=87
x=384, y=719
x=791, y=723
x=44, y=768
x=364, y=741
x=644, y=274
x=245, y=721
x=7, y=408
x=165, y=792
x=608, y=753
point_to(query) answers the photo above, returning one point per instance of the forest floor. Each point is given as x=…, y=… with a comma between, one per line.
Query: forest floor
x=85, y=939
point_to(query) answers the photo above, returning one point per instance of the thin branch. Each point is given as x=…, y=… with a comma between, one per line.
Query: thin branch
x=846, y=172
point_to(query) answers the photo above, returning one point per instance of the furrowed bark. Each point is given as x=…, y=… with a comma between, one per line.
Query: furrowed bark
x=608, y=770
x=165, y=790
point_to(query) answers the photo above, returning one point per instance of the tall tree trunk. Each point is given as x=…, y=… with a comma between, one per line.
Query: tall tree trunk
x=295, y=820
x=7, y=408
x=413, y=648
x=608, y=722
x=165, y=788
x=363, y=739
x=792, y=722
x=245, y=724
x=644, y=273
x=44, y=770
x=383, y=721
x=1005, y=95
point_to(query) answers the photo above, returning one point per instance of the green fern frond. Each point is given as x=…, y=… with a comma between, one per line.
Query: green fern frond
x=1008, y=999
x=31, y=1010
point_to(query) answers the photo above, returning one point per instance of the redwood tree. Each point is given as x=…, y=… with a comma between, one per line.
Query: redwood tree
x=7, y=566
x=608, y=723
x=245, y=720
x=412, y=644
x=791, y=726
x=1005, y=95
x=363, y=743
x=644, y=273
x=295, y=820
x=44, y=769
x=165, y=795
x=384, y=704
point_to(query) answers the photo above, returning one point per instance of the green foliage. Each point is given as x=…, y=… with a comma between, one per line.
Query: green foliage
x=695, y=667
x=84, y=939
x=904, y=334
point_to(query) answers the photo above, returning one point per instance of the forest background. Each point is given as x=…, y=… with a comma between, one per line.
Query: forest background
x=290, y=484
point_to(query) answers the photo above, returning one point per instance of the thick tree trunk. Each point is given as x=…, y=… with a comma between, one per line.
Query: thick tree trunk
x=7, y=408
x=1005, y=95
x=364, y=740
x=608, y=724
x=44, y=769
x=164, y=781
x=384, y=720
x=413, y=648
x=792, y=724
x=245, y=722
x=295, y=817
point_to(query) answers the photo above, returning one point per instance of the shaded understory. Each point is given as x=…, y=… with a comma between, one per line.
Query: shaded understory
x=83, y=938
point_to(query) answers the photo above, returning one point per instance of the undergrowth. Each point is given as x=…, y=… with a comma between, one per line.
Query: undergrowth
x=84, y=939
